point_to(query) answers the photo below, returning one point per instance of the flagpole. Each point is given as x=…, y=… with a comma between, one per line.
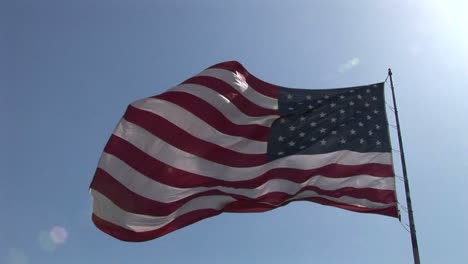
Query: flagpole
x=414, y=240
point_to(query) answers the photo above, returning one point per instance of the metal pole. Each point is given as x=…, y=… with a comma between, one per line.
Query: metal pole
x=414, y=240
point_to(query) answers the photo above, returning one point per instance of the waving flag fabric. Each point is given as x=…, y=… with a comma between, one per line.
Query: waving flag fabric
x=226, y=141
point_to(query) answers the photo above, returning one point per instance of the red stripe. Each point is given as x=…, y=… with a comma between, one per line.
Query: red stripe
x=134, y=203
x=247, y=207
x=180, y=139
x=195, y=216
x=260, y=86
x=221, y=87
x=158, y=171
x=391, y=211
x=214, y=117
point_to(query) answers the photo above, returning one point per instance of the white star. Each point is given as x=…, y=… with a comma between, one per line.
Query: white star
x=374, y=98
x=342, y=96
x=312, y=139
x=302, y=147
x=342, y=111
x=377, y=127
x=291, y=143
x=292, y=128
x=361, y=141
x=378, y=143
x=376, y=111
x=280, y=139
x=333, y=120
x=322, y=130
x=351, y=91
x=282, y=121
x=375, y=85
x=319, y=101
x=308, y=97
x=280, y=153
x=369, y=117
x=342, y=141
x=359, y=97
x=326, y=97
x=366, y=104
x=302, y=134
x=322, y=114
x=291, y=108
x=332, y=104
x=310, y=106
x=312, y=124
x=333, y=132
x=360, y=124
x=290, y=96
x=352, y=131
x=351, y=103
x=368, y=91
x=371, y=133
x=302, y=118
x=323, y=142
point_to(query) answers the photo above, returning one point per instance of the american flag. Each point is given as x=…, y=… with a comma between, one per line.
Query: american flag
x=226, y=141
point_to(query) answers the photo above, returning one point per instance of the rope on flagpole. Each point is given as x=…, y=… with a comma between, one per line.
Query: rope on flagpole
x=386, y=78
x=404, y=226
x=414, y=240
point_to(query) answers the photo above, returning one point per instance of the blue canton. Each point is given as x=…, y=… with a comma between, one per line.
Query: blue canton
x=322, y=121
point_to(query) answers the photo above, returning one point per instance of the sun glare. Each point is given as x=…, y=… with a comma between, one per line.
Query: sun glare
x=452, y=22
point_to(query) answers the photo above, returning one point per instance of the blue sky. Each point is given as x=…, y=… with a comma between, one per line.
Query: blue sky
x=68, y=69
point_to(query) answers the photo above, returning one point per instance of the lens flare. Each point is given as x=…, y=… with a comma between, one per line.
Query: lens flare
x=349, y=65
x=17, y=256
x=58, y=235
x=51, y=239
x=46, y=242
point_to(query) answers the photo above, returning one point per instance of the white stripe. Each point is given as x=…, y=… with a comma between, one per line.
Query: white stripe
x=195, y=126
x=248, y=92
x=224, y=105
x=143, y=186
x=108, y=211
x=182, y=160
